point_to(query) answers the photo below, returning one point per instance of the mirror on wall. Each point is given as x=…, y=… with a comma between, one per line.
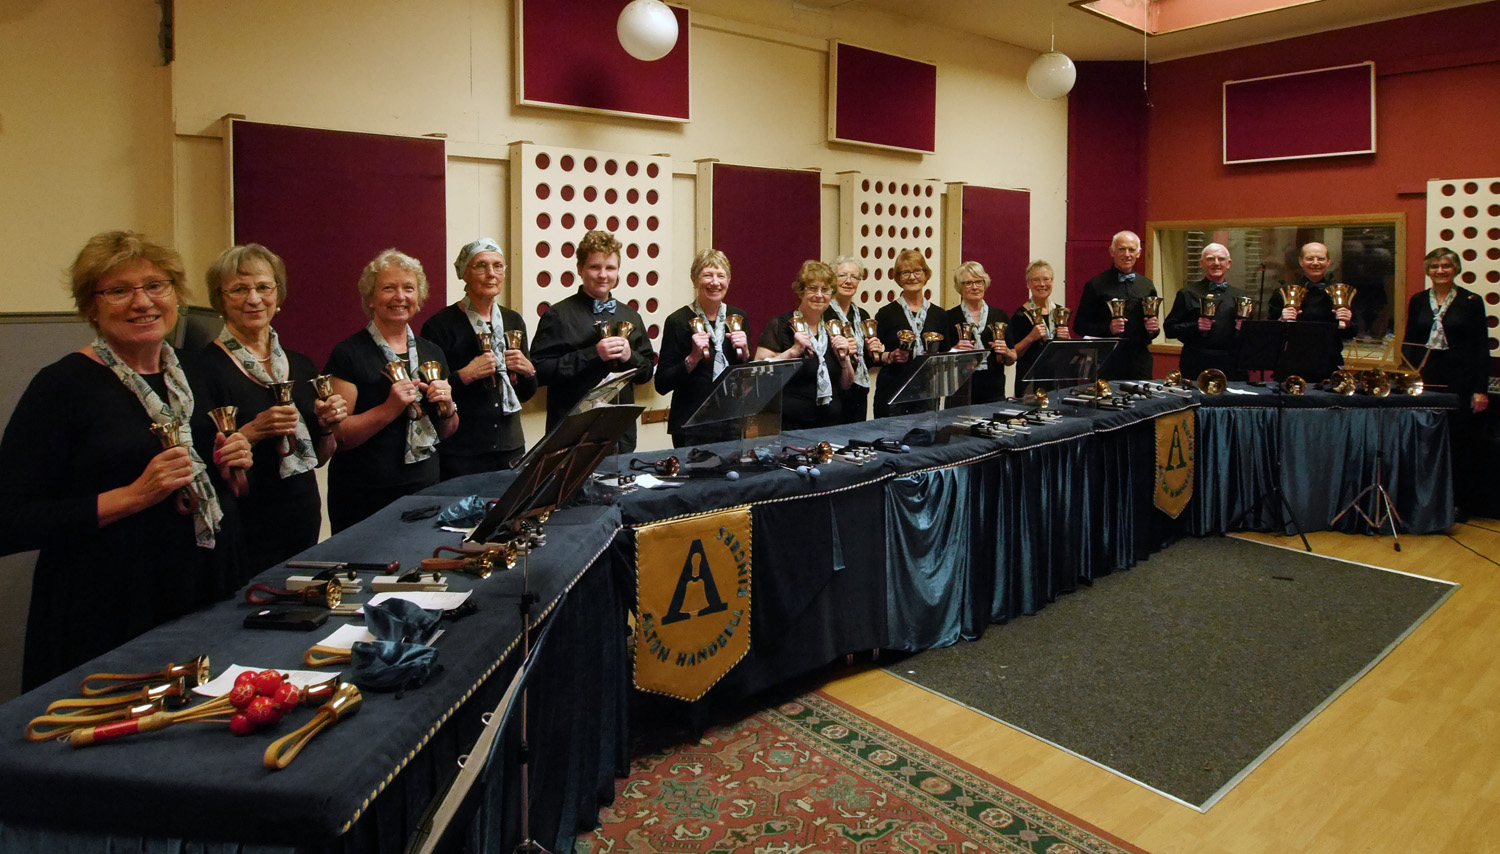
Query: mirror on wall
x=1364, y=252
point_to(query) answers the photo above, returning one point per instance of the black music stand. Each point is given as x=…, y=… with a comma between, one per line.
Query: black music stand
x=1070, y=361
x=937, y=376
x=743, y=392
x=1263, y=348
x=551, y=474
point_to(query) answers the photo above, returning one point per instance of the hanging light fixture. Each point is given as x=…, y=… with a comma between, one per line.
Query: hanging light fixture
x=1052, y=74
x=647, y=29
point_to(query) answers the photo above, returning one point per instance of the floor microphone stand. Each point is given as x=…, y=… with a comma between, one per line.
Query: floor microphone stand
x=1276, y=496
x=1385, y=509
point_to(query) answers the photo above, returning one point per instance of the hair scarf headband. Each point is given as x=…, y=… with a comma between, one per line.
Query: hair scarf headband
x=178, y=407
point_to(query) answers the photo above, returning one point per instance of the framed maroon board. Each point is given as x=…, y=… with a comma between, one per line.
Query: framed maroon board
x=328, y=202
x=996, y=232
x=767, y=222
x=866, y=88
x=1327, y=112
x=569, y=57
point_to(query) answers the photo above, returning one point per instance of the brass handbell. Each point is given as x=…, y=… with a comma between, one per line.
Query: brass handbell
x=932, y=342
x=1244, y=307
x=1407, y=381
x=196, y=672
x=617, y=329
x=487, y=345
x=836, y=327
x=171, y=435
x=697, y=325
x=736, y=323
x=1061, y=314
x=997, y=330
x=967, y=332
x=1292, y=295
x=1294, y=385
x=1210, y=307
x=870, y=327
x=430, y=372
x=514, y=338
x=1341, y=382
x=1151, y=305
x=1174, y=378
x=1116, y=308
x=281, y=393
x=1212, y=381
x=322, y=386
x=396, y=372
x=1375, y=383
x=799, y=325
x=906, y=340
x=479, y=562
x=1343, y=297
x=226, y=418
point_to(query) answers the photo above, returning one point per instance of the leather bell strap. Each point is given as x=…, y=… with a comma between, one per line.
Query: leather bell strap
x=177, y=690
x=51, y=726
x=196, y=672
x=216, y=710
x=327, y=595
x=345, y=701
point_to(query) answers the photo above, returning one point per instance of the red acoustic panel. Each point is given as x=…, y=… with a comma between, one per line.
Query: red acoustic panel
x=881, y=99
x=997, y=234
x=1322, y=113
x=329, y=201
x=767, y=222
x=569, y=56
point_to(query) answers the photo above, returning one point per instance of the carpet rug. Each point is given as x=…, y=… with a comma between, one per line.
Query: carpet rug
x=1187, y=671
x=811, y=775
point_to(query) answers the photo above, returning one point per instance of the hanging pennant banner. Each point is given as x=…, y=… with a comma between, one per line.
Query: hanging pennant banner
x=693, y=601
x=1174, y=462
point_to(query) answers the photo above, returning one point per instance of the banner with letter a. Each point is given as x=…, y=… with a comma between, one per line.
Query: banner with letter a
x=1174, y=461
x=693, y=601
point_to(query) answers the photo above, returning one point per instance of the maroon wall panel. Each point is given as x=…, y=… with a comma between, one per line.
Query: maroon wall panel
x=329, y=201
x=1266, y=118
x=1107, y=122
x=767, y=221
x=997, y=234
x=571, y=57
x=883, y=99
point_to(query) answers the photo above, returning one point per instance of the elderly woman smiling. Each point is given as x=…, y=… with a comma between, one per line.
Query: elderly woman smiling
x=384, y=452
x=282, y=512
x=130, y=534
x=987, y=384
x=811, y=399
x=694, y=355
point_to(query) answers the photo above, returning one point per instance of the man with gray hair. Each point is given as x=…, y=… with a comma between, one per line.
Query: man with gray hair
x=1208, y=342
x=1131, y=360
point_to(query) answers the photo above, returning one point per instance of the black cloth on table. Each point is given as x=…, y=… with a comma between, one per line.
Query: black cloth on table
x=986, y=384
x=854, y=403
x=367, y=477
x=1463, y=369
x=76, y=432
x=1219, y=348
x=690, y=388
x=568, y=364
x=889, y=320
x=1131, y=360
x=799, y=398
x=280, y=516
x=1018, y=329
x=486, y=436
x=1317, y=307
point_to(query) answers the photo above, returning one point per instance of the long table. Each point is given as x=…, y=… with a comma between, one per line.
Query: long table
x=912, y=551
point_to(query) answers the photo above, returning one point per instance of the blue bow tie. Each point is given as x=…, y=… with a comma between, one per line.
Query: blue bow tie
x=1127, y=277
x=604, y=306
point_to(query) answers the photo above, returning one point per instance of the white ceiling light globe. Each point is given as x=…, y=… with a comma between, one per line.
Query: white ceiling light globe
x=647, y=29
x=1051, y=76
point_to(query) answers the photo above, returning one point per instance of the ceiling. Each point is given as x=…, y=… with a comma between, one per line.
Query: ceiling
x=1086, y=36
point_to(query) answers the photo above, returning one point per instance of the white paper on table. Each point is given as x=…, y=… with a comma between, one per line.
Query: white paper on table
x=429, y=600
x=646, y=481
x=221, y=684
x=1239, y=391
x=346, y=636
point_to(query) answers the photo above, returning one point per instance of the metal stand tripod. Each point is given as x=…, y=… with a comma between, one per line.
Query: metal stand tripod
x=1276, y=496
x=1385, y=509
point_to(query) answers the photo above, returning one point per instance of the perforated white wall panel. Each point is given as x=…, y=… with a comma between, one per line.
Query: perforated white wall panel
x=879, y=217
x=1463, y=214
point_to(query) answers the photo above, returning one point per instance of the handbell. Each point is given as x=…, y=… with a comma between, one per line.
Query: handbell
x=322, y=386
x=906, y=340
x=281, y=393
x=430, y=372
x=799, y=325
x=195, y=671
x=1151, y=305
x=932, y=342
x=997, y=330
x=618, y=329
x=870, y=327
x=396, y=372
x=836, y=327
x=1212, y=381
x=1343, y=297
x=1210, y=307
x=1116, y=308
x=1407, y=381
x=1292, y=295
x=968, y=331
x=1061, y=314
x=698, y=326
x=1294, y=385
x=1375, y=383
x=514, y=338
x=1174, y=378
x=1342, y=382
x=736, y=323
x=1244, y=307
x=226, y=419
x=171, y=435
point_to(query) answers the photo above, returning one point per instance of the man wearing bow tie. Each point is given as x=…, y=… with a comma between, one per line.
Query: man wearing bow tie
x=1317, y=307
x=1131, y=360
x=572, y=356
x=1208, y=342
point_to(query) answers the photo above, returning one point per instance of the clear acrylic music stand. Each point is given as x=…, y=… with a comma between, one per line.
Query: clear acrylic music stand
x=1072, y=360
x=938, y=376
x=743, y=392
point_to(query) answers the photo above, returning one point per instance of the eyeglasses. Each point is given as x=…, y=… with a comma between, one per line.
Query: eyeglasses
x=973, y=283
x=817, y=289
x=121, y=294
x=480, y=266
x=239, y=293
x=908, y=274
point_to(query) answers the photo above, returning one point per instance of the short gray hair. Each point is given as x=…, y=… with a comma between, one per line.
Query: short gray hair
x=384, y=261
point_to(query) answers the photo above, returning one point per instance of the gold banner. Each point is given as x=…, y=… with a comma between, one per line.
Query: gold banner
x=693, y=601
x=1174, y=462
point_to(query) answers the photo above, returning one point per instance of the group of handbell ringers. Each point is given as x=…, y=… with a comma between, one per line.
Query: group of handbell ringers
x=154, y=482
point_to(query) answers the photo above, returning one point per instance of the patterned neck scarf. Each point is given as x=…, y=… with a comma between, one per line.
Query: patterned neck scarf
x=495, y=328
x=715, y=336
x=819, y=336
x=977, y=318
x=857, y=329
x=1437, y=339
x=421, y=436
x=304, y=457
x=177, y=407
x=915, y=319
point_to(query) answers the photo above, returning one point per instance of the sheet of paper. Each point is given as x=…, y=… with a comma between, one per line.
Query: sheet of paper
x=646, y=481
x=446, y=601
x=346, y=636
x=220, y=685
x=1238, y=391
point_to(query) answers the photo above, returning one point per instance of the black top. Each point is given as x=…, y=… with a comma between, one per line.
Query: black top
x=1464, y=367
x=799, y=399
x=483, y=426
x=690, y=389
x=77, y=432
x=1219, y=347
x=234, y=387
x=1019, y=328
x=1317, y=307
x=379, y=461
x=568, y=363
x=988, y=384
x=1131, y=360
x=890, y=319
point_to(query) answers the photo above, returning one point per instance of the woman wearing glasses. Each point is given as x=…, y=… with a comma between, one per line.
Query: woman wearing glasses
x=987, y=384
x=913, y=313
x=811, y=399
x=1034, y=324
x=282, y=511
x=694, y=355
x=130, y=535
x=849, y=272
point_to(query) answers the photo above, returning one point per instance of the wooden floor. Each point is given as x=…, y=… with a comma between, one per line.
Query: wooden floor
x=1407, y=760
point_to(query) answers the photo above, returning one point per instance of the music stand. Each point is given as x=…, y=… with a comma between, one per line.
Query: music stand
x=938, y=375
x=743, y=392
x=1070, y=361
x=605, y=392
x=1263, y=348
x=551, y=474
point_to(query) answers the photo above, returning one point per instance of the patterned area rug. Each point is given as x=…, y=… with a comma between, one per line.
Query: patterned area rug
x=812, y=776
